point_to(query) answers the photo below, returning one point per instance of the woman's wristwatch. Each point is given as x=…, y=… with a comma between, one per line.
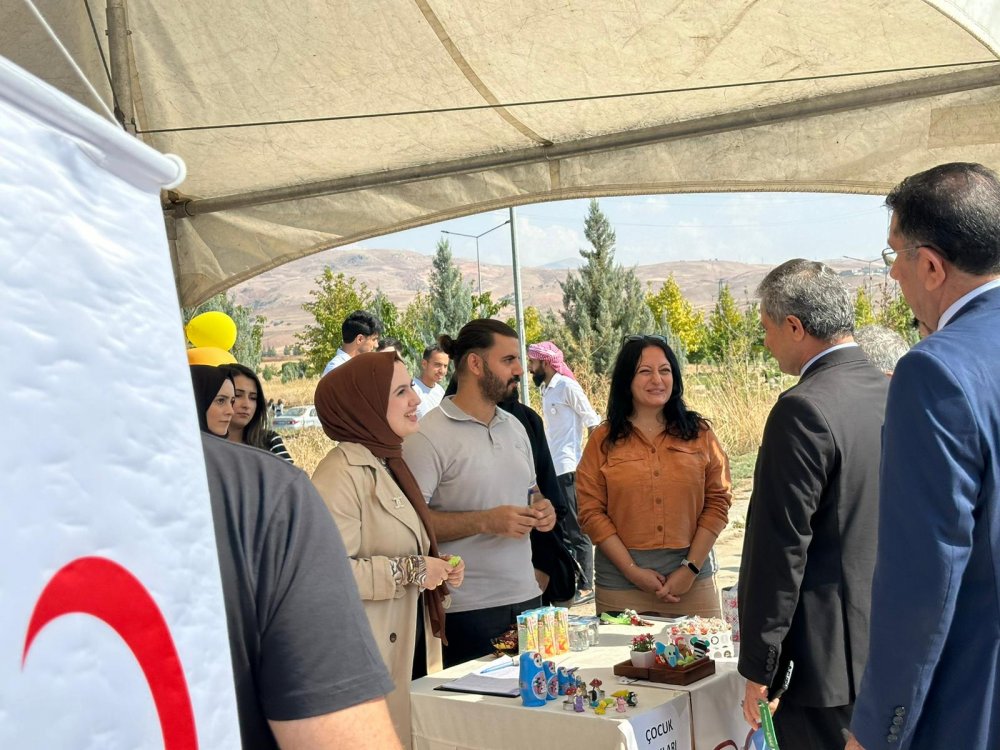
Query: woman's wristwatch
x=691, y=566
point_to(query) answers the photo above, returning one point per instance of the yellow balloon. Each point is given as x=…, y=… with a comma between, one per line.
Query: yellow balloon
x=210, y=355
x=212, y=329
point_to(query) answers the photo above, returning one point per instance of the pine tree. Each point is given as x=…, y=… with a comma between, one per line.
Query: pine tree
x=669, y=306
x=897, y=315
x=449, y=297
x=864, y=313
x=603, y=301
x=335, y=298
x=725, y=326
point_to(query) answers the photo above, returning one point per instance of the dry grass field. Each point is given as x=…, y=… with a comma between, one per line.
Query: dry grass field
x=736, y=399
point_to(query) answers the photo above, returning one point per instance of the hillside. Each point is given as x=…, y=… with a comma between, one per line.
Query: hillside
x=279, y=294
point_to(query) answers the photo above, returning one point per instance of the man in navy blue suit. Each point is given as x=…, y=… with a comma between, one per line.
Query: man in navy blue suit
x=933, y=673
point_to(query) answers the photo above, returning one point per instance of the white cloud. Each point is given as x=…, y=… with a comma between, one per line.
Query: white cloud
x=538, y=243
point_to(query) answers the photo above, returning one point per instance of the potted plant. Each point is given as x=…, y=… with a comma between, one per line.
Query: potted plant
x=642, y=651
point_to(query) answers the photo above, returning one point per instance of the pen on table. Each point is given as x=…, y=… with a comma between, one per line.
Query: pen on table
x=507, y=662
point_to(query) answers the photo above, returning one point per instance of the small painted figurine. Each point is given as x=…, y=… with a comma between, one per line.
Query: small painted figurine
x=700, y=646
x=551, y=680
x=578, y=703
x=531, y=679
x=669, y=653
x=567, y=680
x=620, y=705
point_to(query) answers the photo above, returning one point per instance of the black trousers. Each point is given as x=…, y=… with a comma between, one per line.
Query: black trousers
x=805, y=728
x=578, y=542
x=470, y=633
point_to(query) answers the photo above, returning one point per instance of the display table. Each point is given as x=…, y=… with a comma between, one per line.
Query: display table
x=703, y=716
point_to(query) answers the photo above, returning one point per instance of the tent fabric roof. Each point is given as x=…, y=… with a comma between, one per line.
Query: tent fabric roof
x=287, y=113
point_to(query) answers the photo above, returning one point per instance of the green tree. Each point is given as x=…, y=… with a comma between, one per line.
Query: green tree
x=484, y=306
x=864, y=313
x=293, y=371
x=415, y=317
x=602, y=302
x=449, y=297
x=249, y=326
x=896, y=314
x=333, y=300
x=670, y=306
x=753, y=331
x=725, y=326
x=395, y=325
x=533, y=331
x=270, y=371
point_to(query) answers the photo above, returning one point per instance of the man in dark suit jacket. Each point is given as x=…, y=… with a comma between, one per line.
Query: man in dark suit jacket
x=809, y=550
x=933, y=678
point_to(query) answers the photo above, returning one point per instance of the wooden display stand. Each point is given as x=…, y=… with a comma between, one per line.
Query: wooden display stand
x=697, y=670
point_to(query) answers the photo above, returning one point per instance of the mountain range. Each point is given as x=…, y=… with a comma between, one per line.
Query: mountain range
x=400, y=274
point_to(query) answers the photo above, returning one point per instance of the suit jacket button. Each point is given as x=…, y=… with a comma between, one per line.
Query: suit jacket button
x=900, y=711
x=897, y=720
x=392, y=637
x=893, y=730
x=892, y=738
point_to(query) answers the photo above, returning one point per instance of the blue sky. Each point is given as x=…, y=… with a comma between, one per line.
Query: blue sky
x=747, y=227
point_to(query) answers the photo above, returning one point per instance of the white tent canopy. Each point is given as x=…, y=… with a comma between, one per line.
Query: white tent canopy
x=311, y=124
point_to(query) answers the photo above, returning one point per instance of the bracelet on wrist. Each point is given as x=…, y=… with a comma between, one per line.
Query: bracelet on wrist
x=691, y=566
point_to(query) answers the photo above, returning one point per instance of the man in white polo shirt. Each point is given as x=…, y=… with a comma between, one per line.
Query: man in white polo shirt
x=473, y=464
x=433, y=368
x=566, y=411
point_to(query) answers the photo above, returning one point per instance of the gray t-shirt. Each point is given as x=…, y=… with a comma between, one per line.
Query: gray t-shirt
x=462, y=464
x=299, y=639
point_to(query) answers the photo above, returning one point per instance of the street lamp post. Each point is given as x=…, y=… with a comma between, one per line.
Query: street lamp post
x=479, y=270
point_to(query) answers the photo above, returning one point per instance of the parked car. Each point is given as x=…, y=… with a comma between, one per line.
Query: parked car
x=297, y=417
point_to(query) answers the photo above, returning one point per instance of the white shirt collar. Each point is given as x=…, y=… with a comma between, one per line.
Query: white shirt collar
x=552, y=383
x=823, y=353
x=962, y=301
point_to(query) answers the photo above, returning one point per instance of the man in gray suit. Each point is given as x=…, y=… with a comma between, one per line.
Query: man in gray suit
x=809, y=550
x=933, y=680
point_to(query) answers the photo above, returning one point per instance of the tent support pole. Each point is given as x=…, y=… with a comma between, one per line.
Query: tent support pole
x=121, y=74
x=519, y=305
x=947, y=83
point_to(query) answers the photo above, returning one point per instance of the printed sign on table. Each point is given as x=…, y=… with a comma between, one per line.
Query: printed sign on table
x=667, y=727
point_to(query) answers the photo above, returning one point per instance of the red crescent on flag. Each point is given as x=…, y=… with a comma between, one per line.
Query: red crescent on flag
x=104, y=589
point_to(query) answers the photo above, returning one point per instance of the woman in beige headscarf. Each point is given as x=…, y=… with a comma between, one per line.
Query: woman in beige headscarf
x=368, y=404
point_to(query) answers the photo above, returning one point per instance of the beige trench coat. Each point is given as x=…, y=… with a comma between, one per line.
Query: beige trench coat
x=378, y=522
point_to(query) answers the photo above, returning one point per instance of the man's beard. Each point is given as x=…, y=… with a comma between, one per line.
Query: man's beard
x=538, y=377
x=494, y=389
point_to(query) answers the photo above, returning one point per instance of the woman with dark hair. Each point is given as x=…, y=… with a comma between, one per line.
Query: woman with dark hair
x=653, y=490
x=368, y=405
x=249, y=425
x=213, y=395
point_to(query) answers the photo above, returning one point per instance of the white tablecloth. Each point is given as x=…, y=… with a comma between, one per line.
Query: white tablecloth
x=702, y=716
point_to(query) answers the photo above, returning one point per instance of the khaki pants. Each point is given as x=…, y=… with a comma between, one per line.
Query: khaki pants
x=702, y=599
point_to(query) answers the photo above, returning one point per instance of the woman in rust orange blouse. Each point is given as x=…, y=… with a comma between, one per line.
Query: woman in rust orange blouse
x=653, y=490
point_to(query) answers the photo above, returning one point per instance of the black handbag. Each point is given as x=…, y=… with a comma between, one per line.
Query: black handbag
x=550, y=555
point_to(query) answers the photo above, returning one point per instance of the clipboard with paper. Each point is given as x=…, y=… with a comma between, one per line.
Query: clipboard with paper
x=500, y=679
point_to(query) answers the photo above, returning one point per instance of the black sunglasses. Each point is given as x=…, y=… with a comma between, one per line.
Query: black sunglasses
x=645, y=337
